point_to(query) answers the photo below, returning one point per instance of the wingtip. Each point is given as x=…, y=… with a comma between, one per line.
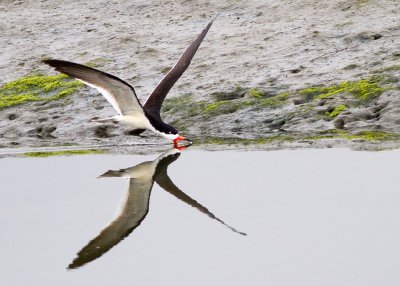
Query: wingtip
x=212, y=21
x=56, y=63
x=207, y=28
x=51, y=62
x=71, y=266
x=215, y=17
x=47, y=61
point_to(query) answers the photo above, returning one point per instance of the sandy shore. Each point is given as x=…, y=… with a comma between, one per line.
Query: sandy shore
x=275, y=46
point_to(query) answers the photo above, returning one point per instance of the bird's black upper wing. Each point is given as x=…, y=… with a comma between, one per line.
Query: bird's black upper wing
x=156, y=98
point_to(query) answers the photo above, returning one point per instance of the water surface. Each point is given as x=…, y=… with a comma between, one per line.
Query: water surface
x=312, y=217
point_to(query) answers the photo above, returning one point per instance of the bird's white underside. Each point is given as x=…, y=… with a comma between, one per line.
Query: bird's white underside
x=106, y=94
x=137, y=120
x=143, y=174
x=140, y=121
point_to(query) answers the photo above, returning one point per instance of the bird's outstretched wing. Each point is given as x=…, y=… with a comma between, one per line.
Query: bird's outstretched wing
x=156, y=98
x=134, y=208
x=163, y=180
x=120, y=94
x=132, y=213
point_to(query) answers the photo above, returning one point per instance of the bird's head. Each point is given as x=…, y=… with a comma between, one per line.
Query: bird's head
x=172, y=134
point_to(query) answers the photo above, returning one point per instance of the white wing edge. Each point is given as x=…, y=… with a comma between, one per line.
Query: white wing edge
x=110, y=98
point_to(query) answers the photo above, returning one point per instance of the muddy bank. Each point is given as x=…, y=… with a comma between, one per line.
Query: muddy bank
x=278, y=74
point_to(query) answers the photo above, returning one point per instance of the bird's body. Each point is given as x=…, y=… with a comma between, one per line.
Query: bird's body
x=123, y=98
x=135, y=204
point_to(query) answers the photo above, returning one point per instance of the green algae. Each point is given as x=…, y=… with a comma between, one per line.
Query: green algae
x=242, y=141
x=336, y=111
x=257, y=100
x=256, y=93
x=362, y=135
x=165, y=70
x=237, y=93
x=63, y=153
x=37, y=88
x=225, y=106
x=364, y=89
x=184, y=106
x=186, y=111
x=391, y=68
x=279, y=99
x=213, y=106
x=97, y=62
x=372, y=136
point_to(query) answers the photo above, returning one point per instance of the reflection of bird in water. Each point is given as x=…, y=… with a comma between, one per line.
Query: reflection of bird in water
x=136, y=204
x=123, y=98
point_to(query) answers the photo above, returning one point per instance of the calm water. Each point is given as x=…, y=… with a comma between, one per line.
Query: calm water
x=312, y=217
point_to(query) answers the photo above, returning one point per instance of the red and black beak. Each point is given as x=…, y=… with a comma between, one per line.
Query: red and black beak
x=181, y=138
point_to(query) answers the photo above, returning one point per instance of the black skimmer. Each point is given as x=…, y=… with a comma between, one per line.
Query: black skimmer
x=135, y=205
x=122, y=95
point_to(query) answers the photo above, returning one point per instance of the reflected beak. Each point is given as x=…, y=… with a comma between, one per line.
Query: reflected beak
x=181, y=138
x=181, y=148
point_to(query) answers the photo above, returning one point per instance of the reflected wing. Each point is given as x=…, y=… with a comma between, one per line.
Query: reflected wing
x=163, y=180
x=134, y=207
x=156, y=98
x=120, y=94
x=165, y=160
x=132, y=213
